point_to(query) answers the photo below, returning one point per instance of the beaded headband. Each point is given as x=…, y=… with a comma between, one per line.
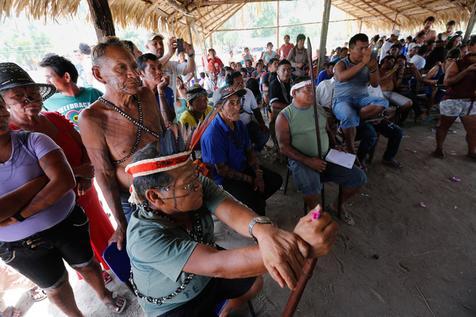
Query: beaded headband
x=158, y=164
x=153, y=166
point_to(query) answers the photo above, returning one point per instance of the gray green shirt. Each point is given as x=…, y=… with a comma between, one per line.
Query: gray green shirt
x=159, y=249
x=303, y=129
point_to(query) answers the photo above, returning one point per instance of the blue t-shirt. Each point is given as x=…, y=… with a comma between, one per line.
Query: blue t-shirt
x=222, y=145
x=323, y=75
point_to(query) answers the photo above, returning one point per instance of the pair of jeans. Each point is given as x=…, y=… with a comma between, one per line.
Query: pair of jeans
x=257, y=136
x=246, y=194
x=367, y=133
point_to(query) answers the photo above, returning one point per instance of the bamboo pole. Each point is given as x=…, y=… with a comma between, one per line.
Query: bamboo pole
x=471, y=22
x=309, y=264
x=324, y=30
x=277, y=24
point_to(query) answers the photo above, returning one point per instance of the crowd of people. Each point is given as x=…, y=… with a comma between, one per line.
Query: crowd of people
x=140, y=136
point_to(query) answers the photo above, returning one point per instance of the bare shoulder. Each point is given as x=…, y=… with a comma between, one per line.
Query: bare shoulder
x=339, y=65
x=92, y=116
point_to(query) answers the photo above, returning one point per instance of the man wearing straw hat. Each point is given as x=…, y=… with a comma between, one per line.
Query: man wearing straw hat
x=177, y=269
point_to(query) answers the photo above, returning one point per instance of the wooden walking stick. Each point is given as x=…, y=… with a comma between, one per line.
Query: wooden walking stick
x=309, y=264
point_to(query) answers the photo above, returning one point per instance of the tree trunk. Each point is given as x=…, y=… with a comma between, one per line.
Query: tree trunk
x=102, y=18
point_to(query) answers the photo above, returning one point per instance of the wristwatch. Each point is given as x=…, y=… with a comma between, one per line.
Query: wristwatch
x=258, y=220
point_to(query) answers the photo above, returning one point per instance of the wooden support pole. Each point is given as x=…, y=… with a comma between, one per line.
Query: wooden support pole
x=191, y=42
x=277, y=24
x=324, y=30
x=102, y=18
x=471, y=22
x=360, y=26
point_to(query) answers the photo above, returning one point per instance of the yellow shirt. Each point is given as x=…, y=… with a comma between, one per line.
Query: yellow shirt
x=187, y=118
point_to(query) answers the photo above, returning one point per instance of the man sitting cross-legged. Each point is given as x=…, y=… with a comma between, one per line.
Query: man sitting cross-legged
x=296, y=132
x=351, y=98
x=227, y=148
x=177, y=269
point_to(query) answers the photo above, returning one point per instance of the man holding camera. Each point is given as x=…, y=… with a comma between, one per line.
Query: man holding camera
x=172, y=68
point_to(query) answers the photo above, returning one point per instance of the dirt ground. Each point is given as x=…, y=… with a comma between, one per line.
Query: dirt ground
x=411, y=252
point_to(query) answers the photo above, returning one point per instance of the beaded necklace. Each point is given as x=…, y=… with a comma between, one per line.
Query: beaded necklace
x=139, y=124
x=196, y=234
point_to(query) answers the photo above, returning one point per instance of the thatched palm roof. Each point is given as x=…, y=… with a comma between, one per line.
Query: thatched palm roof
x=205, y=16
x=385, y=14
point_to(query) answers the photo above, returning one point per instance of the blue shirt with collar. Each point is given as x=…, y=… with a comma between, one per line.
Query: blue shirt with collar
x=222, y=145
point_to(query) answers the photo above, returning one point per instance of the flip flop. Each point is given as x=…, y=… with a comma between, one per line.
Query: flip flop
x=117, y=305
x=37, y=294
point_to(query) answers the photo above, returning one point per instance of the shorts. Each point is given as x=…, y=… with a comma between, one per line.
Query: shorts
x=457, y=107
x=396, y=99
x=40, y=256
x=346, y=108
x=217, y=290
x=309, y=182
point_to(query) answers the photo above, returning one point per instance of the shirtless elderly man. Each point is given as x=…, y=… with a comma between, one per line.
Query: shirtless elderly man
x=118, y=124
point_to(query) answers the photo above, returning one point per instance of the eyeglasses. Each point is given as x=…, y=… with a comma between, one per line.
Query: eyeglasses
x=188, y=188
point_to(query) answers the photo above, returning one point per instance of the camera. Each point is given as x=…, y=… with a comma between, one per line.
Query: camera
x=180, y=47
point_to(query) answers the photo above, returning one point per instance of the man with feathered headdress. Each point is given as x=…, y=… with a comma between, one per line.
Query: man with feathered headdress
x=177, y=270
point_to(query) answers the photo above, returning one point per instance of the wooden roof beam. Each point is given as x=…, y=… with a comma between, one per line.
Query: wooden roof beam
x=346, y=12
x=390, y=8
x=212, y=21
x=380, y=12
x=180, y=8
x=422, y=6
x=225, y=18
x=205, y=3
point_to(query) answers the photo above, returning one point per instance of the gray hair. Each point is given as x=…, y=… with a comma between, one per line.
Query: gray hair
x=157, y=180
x=100, y=49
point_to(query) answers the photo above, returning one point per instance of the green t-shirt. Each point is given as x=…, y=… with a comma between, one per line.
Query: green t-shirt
x=302, y=128
x=159, y=249
x=71, y=107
